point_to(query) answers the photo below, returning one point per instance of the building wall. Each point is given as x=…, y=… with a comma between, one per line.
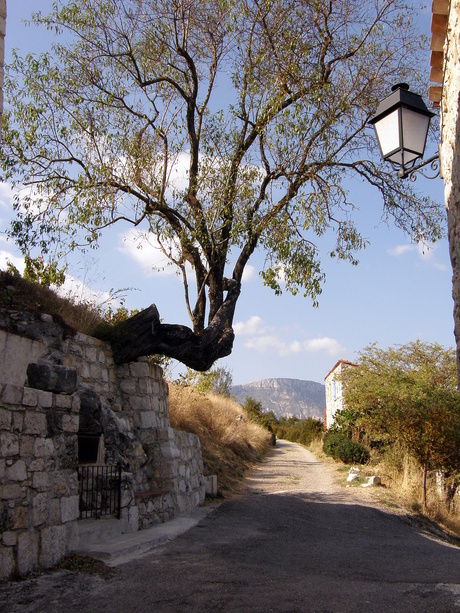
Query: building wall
x=39, y=504
x=334, y=391
x=450, y=153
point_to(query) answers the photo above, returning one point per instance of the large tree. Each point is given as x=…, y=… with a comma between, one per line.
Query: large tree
x=268, y=101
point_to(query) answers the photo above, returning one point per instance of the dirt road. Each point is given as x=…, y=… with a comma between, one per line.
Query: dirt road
x=292, y=541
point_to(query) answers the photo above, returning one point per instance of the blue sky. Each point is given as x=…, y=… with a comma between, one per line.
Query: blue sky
x=399, y=292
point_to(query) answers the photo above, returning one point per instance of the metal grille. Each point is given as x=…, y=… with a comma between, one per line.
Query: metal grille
x=100, y=490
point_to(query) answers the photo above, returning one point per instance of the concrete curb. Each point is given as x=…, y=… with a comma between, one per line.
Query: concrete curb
x=123, y=548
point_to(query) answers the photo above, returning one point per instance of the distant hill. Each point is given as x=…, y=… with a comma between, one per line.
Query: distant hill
x=285, y=397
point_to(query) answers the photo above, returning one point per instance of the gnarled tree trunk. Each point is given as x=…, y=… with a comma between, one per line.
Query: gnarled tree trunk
x=144, y=334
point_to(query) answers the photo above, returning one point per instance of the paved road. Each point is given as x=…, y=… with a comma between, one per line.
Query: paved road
x=292, y=541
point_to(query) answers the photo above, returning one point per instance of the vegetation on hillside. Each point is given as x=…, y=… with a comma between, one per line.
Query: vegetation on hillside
x=230, y=440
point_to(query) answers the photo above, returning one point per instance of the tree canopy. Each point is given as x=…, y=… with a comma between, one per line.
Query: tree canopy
x=265, y=102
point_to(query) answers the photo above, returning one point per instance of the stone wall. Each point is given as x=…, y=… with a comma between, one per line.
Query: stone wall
x=38, y=478
x=450, y=153
x=127, y=404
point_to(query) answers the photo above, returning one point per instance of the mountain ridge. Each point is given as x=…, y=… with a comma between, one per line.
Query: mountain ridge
x=284, y=396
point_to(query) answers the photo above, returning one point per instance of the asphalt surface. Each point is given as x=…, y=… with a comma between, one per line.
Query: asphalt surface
x=292, y=541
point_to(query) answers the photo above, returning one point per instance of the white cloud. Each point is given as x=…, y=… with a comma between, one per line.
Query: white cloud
x=425, y=252
x=249, y=272
x=146, y=252
x=272, y=342
x=250, y=327
x=400, y=250
x=330, y=345
x=262, y=338
x=6, y=195
x=77, y=290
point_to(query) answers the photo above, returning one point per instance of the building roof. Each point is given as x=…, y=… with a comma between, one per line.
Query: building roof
x=337, y=364
x=439, y=18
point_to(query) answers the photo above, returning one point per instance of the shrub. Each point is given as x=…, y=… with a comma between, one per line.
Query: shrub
x=338, y=446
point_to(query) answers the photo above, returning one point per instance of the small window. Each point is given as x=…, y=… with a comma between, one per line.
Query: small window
x=88, y=449
x=334, y=389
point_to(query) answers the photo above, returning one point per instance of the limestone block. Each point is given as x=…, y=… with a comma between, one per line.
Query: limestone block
x=63, y=402
x=70, y=423
x=2, y=469
x=43, y=447
x=91, y=354
x=27, y=446
x=148, y=419
x=52, y=377
x=140, y=403
x=133, y=519
x=11, y=491
x=60, y=485
x=70, y=508
x=6, y=562
x=12, y=394
x=18, y=420
x=170, y=451
x=9, y=538
x=30, y=397
x=45, y=399
x=5, y=419
x=40, y=509
x=53, y=545
x=9, y=445
x=18, y=518
x=37, y=465
x=139, y=369
x=41, y=481
x=128, y=386
x=27, y=552
x=35, y=423
x=16, y=472
x=55, y=511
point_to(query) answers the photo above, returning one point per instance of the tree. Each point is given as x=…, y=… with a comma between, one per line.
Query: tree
x=217, y=380
x=407, y=394
x=267, y=103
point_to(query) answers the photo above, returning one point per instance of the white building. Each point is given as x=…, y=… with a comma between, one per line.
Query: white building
x=334, y=398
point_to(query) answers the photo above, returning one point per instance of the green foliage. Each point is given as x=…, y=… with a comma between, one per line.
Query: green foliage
x=38, y=271
x=100, y=128
x=337, y=445
x=303, y=431
x=217, y=380
x=253, y=409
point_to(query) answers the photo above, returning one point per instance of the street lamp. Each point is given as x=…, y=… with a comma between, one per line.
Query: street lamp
x=401, y=125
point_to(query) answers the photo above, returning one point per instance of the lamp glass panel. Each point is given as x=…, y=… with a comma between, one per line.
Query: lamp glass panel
x=387, y=131
x=415, y=128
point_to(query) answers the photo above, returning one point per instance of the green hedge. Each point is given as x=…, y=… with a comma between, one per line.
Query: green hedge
x=338, y=446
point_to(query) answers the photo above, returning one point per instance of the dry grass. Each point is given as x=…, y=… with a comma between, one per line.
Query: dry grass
x=230, y=442
x=17, y=293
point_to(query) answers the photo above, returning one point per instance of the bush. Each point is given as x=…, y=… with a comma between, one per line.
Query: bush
x=338, y=446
